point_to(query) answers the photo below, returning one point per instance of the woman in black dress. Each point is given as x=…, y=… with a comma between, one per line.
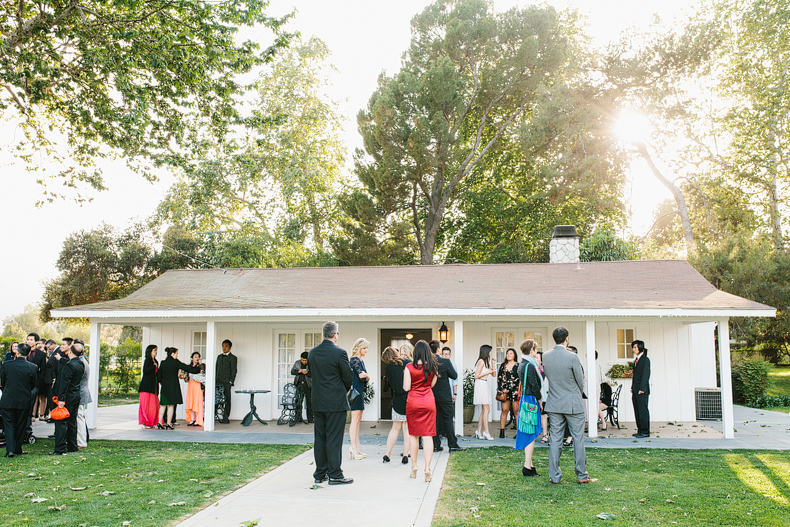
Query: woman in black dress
x=394, y=368
x=170, y=393
x=149, y=389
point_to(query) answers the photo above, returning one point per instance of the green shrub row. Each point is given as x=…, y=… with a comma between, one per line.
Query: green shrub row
x=749, y=379
x=769, y=401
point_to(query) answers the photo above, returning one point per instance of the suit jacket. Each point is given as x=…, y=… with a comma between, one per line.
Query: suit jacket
x=52, y=367
x=39, y=358
x=85, y=394
x=332, y=377
x=168, y=378
x=641, y=378
x=18, y=378
x=68, y=383
x=300, y=378
x=563, y=370
x=226, y=367
x=441, y=390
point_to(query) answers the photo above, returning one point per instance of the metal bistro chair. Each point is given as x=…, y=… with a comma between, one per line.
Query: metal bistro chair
x=612, y=411
x=290, y=401
x=219, y=404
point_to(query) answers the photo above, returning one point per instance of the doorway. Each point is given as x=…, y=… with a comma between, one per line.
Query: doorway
x=396, y=338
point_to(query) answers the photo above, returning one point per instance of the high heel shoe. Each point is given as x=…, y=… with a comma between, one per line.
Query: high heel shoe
x=501, y=433
x=413, y=474
x=354, y=455
x=160, y=426
x=169, y=427
x=404, y=459
x=427, y=476
x=477, y=435
x=386, y=459
x=487, y=436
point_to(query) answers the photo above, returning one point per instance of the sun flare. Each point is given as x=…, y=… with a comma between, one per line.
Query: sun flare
x=632, y=126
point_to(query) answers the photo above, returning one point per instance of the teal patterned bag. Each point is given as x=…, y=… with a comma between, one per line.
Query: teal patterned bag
x=528, y=417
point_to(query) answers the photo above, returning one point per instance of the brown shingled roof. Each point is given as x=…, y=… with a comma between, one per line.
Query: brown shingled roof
x=642, y=284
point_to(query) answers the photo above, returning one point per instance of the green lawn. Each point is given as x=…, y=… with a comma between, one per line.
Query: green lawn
x=780, y=385
x=111, y=482
x=484, y=487
x=117, y=399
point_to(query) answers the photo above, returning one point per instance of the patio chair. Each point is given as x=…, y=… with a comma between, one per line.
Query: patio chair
x=612, y=411
x=290, y=401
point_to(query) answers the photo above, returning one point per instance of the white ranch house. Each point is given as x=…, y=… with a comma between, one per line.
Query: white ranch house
x=272, y=315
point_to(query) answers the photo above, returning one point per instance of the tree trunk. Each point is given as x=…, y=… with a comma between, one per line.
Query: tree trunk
x=773, y=196
x=680, y=200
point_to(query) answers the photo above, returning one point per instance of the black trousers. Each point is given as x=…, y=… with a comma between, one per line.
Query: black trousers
x=307, y=397
x=226, y=390
x=641, y=413
x=15, y=423
x=328, y=444
x=444, y=424
x=66, y=431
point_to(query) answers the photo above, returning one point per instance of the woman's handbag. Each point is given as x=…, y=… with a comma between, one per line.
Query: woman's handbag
x=59, y=413
x=528, y=417
x=353, y=395
x=501, y=395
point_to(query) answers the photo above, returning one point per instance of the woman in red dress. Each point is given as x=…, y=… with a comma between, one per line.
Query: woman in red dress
x=420, y=404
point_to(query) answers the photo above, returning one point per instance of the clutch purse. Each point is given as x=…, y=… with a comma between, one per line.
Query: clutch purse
x=59, y=413
x=353, y=395
x=501, y=396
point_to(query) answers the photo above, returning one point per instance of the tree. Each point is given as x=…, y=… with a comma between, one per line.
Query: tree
x=468, y=78
x=98, y=265
x=127, y=363
x=149, y=80
x=280, y=183
x=605, y=246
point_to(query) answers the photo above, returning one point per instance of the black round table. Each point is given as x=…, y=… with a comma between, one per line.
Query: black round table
x=253, y=413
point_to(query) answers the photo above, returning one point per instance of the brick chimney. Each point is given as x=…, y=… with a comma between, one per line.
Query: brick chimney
x=564, y=246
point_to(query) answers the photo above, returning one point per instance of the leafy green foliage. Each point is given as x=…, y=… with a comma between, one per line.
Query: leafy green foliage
x=621, y=371
x=128, y=355
x=605, y=246
x=150, y=80
x=749, y=379
x=769, y=401
x=469, y=387
x=469, y=77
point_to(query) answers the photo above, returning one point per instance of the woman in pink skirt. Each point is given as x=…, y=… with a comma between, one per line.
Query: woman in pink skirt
x=149, y=390
x=194, y=401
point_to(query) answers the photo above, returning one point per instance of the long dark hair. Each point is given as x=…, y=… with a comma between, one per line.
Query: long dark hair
x=422, y=353
x=148, y=350
x=485, y=354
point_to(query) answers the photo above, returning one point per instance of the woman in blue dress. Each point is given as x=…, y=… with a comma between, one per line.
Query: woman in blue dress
x=531, y=400
x=359, y=382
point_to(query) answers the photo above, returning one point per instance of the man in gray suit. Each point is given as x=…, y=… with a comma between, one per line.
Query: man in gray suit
x=564, y=406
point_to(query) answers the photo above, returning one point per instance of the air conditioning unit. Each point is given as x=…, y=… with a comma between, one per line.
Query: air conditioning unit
x=708, y=401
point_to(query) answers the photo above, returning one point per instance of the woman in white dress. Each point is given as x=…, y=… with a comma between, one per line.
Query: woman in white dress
x=485, y=368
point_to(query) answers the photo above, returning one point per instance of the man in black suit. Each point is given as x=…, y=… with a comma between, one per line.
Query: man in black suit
x=67, y=390
x=38, y=356
x=640, y=389
x=18, y=379
x=443, y=395
x=328, y=366
x=226, y=375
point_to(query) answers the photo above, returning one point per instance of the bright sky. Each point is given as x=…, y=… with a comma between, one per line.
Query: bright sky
x=366, y=38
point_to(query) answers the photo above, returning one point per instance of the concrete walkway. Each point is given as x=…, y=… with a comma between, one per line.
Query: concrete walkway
x=383, y=492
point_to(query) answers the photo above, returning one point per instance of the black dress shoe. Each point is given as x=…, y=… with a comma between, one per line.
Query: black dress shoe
x=57, y=453
x=9, y=454
x=341, y=481
x=457, y=449
x=322, y=479
x=635, y=435
x=438, y=448
x=640, y=436
x=501, y=433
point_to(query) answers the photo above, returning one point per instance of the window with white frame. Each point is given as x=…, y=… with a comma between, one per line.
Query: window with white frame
x=288, y=352
x=502, y=341
x=537, y=336
x=625, y=336
x=199, y=343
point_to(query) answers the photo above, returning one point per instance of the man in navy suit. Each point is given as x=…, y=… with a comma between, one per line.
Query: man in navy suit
x=328, y=366
x=640, y=389
x=18, y=379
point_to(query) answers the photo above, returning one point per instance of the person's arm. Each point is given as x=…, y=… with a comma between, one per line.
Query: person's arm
x=433, y=382
x=406, y=380
x=65, y=380
x=345, y=370
x=645, y=380
x=188, y=368
x=451, y=370
x=233, y=368
x=479, y=370
x=296, y=367
x=578, y=374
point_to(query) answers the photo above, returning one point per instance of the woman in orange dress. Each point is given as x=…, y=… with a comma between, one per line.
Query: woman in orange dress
x=420, y=404
x=194, y=402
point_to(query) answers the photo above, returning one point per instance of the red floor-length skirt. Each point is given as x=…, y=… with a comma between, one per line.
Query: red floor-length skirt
x=420, y=404
x=149, y=409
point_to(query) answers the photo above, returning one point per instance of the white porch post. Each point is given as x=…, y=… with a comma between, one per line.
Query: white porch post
x=211, y=375
x=725, y=370
x=93, y=381
x=592, y=403
x=458, y=353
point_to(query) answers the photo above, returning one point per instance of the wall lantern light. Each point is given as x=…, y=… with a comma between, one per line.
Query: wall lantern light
x=443, y=333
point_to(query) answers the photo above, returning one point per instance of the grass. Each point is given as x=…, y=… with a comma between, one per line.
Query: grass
x=111, y=482
x=117, y=399
x=640, y=487
x=780, y=385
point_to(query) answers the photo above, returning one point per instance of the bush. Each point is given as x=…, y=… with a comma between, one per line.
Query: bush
x=769, y=401
x=749, y=379
x=469, y=388
x=621, y=371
